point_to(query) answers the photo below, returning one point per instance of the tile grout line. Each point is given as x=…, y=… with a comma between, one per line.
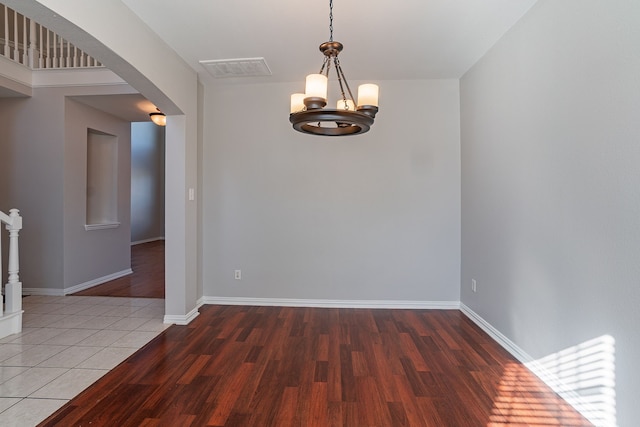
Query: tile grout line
x=130, y=340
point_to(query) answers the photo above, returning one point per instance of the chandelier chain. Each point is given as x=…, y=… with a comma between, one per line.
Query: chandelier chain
x=330, y=20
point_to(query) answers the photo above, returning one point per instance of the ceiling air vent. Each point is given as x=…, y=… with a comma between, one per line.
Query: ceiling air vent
x=241, y=67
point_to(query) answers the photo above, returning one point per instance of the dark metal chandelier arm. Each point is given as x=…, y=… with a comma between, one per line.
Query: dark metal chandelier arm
x=324, y=66
x=341, y=77
x=344, y=79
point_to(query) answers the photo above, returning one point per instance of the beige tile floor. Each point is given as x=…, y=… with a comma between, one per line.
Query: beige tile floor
x=66, y=344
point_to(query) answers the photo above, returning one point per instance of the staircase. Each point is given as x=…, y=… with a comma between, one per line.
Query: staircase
x=30, y=44
x=11, y=310
x=26, y=42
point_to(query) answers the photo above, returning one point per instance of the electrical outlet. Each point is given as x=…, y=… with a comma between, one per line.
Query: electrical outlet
x=473, y=285
x=238, y=275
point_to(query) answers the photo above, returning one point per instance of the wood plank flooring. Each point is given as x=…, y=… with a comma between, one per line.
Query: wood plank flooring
x=147, y=280
x=279, y=366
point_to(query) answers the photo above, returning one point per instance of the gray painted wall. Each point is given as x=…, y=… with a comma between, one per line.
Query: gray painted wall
x=369, y=217
x=89, y=255
x=551, y=184
x=165, y=80
x=31, y=166
x=39, y=158
x=147, y=181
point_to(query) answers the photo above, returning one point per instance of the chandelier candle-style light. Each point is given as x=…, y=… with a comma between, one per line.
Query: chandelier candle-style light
x=308, y=112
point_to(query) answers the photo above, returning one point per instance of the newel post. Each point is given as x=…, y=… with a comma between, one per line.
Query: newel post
x=13, y=288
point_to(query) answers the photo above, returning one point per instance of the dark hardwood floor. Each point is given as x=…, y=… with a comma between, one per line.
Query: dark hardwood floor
x=147, y=280
x=275, y=366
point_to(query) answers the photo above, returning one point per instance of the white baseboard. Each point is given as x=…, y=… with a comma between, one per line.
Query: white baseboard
x=181, y=320
x=200, y=302
x=76, y=288
x=153, y=239
x=550, y=379
x=326, y=303
x=49, y=292
x=505, y=342
x=98, y=281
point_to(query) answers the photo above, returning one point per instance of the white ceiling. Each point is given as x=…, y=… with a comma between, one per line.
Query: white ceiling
x=399, y=40
x=392, y=40
x=130, y=107
x=5, y=92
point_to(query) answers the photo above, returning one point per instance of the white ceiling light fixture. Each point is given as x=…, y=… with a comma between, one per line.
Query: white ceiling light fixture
x=308, y=114
x=158, y=118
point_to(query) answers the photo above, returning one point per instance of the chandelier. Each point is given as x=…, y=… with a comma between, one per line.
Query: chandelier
x=308, y=112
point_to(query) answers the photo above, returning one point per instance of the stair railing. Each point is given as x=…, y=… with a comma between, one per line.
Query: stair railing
x=28, y=43
x=13, y=289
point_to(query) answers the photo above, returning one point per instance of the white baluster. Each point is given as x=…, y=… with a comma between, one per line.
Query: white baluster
x=5, y=47
x=49, y=64
x=13, y=288
x=54, y=58
x=32, y=44
x=24, y=41
x=68, y=64
x=41, y=48
x=16, y=53
x=61, y=63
